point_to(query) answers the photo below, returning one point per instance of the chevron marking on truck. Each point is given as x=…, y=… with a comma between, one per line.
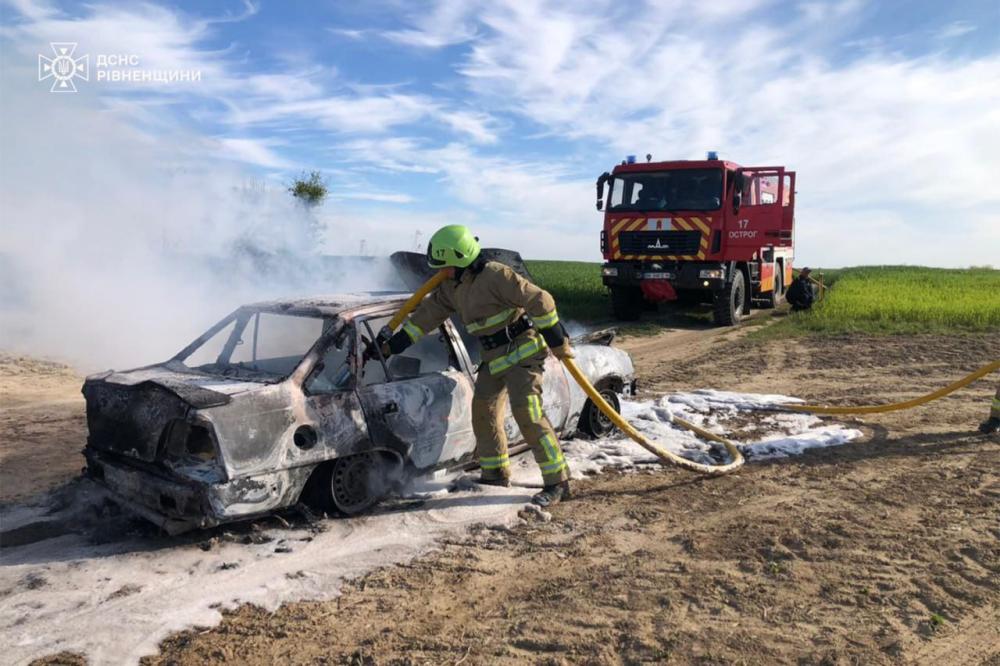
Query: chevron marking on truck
x=671, y=224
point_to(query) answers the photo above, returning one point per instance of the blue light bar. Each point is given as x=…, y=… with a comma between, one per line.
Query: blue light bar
x=630, y=159
x=712, y=155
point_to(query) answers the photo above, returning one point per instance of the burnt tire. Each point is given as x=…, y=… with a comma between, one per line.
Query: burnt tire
x=593, y=421
x=777, y=295
x=730, y=302
x=627, y=303
x=349, y=485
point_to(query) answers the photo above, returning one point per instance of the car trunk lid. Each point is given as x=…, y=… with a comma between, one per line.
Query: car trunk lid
x=128, y=412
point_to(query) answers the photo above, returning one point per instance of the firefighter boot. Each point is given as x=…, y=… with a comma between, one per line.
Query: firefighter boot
x=990, y=426
x=551, y=494
x=501, y=479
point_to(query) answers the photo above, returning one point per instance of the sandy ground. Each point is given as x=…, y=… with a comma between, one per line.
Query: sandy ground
x=43, y=427
x=885, y=551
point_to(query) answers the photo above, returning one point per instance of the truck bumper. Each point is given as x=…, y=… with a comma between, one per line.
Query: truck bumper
x=681, y=275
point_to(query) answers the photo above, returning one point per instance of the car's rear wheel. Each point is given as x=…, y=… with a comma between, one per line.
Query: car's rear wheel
x=593, y=421
x=358, y=482
x=350, y=485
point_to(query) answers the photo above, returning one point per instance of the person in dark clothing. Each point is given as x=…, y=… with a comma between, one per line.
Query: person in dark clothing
x=800, y=294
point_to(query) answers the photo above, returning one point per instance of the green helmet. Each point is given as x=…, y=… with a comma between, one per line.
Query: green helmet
x=452, y=245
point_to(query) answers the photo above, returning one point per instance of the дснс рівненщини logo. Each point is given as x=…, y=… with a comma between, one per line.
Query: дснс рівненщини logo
x=63, y=68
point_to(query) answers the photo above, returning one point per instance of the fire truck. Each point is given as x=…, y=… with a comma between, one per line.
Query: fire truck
x=700, y=231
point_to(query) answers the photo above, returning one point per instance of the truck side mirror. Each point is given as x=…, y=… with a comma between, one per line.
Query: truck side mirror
x=739, y=183
x=600, y=189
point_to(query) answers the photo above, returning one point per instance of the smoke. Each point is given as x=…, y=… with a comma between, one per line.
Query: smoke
x=118, y=248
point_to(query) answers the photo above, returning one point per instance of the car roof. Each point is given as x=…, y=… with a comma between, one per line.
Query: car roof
x=330, y=305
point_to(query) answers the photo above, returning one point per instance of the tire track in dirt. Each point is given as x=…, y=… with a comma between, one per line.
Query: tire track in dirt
x=975, y=640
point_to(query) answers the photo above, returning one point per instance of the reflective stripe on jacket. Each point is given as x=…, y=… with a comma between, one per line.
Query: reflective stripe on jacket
x=486, y=302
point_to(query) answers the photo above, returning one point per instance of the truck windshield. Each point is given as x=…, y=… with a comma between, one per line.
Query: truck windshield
x=257, y=345
x=679, y=189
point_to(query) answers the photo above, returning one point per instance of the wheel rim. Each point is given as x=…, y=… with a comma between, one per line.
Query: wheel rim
x=601, y=424
x=350, y=483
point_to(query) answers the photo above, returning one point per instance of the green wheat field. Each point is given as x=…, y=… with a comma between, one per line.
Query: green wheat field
x=870, y=299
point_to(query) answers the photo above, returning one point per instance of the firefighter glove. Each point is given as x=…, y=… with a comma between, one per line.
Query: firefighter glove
x=397, y=344
x=563, y=351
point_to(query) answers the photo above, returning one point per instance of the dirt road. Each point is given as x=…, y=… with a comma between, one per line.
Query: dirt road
x=886, y=551
x=43, y=427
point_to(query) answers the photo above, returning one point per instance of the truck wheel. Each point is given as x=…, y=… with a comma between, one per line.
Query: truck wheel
x=729, y=302
x=593, y=421
x=774, y=298
x=626, y=303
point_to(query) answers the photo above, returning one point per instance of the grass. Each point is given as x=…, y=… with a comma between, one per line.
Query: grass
x=576, y=286
x=901, y=300
x=868, y=299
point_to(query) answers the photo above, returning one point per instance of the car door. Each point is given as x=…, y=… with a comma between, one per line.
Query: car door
x=336, y=425
x=758, y=221
x=418, y=402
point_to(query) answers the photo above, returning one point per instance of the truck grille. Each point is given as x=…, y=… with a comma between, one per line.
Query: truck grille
x=659, y=242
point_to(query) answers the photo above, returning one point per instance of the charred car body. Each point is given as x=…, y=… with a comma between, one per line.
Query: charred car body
x=278, y=402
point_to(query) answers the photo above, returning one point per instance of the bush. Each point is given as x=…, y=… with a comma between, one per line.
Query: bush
x=311, y=190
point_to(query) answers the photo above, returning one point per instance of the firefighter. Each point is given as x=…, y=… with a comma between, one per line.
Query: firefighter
x=800, y=293
x=517, y=324
x=992, y=424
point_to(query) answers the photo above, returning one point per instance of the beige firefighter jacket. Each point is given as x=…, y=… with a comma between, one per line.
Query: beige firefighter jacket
x=486, y=302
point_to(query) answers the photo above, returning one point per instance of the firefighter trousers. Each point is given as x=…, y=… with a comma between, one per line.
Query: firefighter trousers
x=522, y=385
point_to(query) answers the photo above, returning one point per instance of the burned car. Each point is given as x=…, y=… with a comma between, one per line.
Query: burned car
x=278, y=402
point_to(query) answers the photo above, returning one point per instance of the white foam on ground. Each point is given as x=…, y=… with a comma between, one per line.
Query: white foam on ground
x=115, y=602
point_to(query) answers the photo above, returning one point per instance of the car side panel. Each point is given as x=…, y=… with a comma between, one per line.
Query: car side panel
x=256, y=430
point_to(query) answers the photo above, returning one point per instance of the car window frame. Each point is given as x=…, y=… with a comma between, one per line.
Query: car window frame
x=307, y=367
x=451, y=338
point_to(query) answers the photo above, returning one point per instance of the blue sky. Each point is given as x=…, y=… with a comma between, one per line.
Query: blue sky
x=501, y=114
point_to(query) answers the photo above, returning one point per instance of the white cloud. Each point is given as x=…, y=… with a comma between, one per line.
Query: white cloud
x=825, y=10
x=955, y=29
x=447, y=23
x=168, y=40
x=285, y=87
x=253, y=151
x=535, y=206
x=380, y=197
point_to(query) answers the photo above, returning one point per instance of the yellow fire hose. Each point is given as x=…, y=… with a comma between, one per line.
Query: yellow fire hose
x=418, y=295
x=877, y=409
x=664, y=455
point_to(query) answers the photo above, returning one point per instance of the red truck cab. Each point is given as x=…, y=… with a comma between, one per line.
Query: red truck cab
x=696, y=231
